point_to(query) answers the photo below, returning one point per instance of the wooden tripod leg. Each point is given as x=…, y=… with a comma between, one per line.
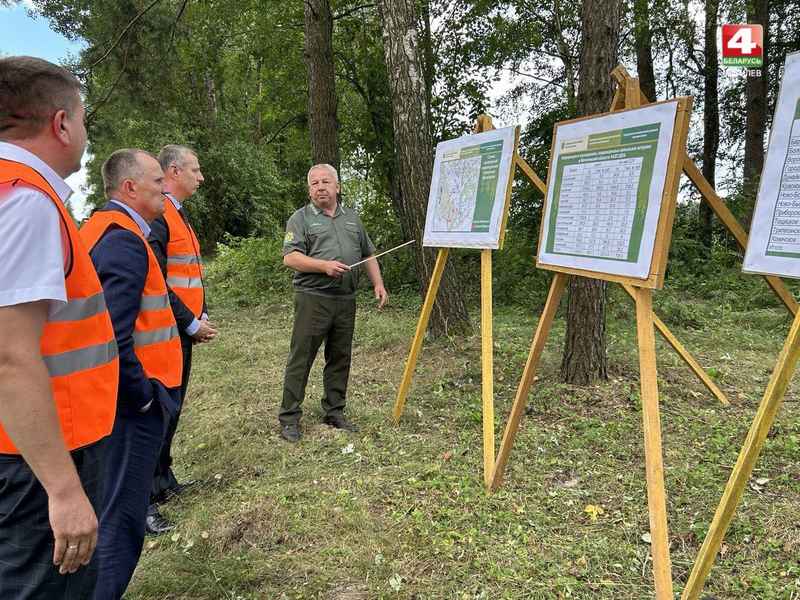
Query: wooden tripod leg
x=656, y=496
x=683, y=353
x=487, y=366
x=521, y=399
x=422, y=326
x=765, y=417
x=737, y=231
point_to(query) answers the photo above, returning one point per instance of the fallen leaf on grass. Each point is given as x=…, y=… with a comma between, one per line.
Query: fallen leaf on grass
x=396, y=582
x=593, y=511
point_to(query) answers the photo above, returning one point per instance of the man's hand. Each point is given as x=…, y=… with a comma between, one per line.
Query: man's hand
x=335, y=269
x=381, y=295
x=206, y=332
x=74, y=527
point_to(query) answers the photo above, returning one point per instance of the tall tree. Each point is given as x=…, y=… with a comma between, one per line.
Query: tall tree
x=643, y=40
x=757, y=101
x=415, y=153
x=318, y=55
x=585, y=359
x=710, y=117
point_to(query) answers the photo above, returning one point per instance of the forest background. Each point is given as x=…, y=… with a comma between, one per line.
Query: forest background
x=232, y=81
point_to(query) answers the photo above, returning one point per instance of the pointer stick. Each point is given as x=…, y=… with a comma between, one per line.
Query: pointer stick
x=382, y=253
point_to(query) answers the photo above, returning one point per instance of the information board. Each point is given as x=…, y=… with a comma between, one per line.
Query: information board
x=469, y=190
x=605, y=190
x=774, y=243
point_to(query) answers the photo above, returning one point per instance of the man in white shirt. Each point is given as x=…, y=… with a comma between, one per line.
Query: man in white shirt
x=48, y=524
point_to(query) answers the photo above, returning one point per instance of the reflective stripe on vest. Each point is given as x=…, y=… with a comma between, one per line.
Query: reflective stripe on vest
x=156, y=341
x=155, y=336
x=183, y=260
x=154, y=302
x=80, y=360
x=184, y=265
x=77, y=343
x=184, y=282
x=78, y=309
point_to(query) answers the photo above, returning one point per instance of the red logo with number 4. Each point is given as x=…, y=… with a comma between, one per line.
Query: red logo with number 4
x=743, y=45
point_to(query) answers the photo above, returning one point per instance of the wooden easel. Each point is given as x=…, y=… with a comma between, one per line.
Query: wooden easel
x=641, y=291
x=483, y=123
x=770, y=403
x=709, y=195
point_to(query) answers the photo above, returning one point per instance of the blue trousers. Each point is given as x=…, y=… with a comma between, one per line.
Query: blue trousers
x=133, y=450
x=26, y=539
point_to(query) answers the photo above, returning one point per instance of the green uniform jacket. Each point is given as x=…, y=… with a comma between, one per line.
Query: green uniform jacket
x=341, y=237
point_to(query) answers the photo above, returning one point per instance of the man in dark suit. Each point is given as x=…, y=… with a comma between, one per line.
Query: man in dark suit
x=149, y=351
x=177, y=249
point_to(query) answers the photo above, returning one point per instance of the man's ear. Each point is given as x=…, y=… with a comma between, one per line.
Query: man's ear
x=59, y=127
x=128, y=186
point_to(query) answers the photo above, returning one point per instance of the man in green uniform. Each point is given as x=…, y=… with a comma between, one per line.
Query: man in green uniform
x=322, y=239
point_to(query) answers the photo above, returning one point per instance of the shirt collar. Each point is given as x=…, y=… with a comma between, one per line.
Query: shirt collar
x=135, y=216
x=17, y=154
x=318, y=211
x=175, y=202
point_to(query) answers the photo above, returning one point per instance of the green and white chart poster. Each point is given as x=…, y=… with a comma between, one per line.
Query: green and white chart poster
x=774, y=243
x=468, y=190
x=605, y=189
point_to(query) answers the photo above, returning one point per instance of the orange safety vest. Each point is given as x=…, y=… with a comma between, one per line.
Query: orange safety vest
x=77, y=343
x=155, y=333
x=184, y=267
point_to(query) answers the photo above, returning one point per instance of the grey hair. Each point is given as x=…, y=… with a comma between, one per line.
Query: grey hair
x=174, y=154
x=121, y=165
x=319, y=166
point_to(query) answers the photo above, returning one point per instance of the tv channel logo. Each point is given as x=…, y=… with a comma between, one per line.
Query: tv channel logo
x=743, y=46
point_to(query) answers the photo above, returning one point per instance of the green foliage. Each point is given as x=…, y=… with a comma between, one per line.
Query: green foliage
x=248, y=271
x=516, y=280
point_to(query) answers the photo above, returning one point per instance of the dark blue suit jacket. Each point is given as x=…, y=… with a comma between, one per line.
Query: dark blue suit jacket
x=120, y=258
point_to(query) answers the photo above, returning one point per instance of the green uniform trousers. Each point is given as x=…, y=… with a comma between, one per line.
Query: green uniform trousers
x=316, y=319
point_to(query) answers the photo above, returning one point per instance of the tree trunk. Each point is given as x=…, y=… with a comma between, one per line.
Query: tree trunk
x=318, y=55
x=584, y=359
x=565, y=54
x=415, y=155
x=643, y=41
x=710, y=119
x=756, y=116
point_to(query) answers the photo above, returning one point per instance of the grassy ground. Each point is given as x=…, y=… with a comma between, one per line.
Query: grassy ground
x=400, y=511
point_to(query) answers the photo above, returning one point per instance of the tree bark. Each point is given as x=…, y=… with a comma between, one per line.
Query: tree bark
x=756, y=116
x=566, y=57
x=710, y=118
x=318, y=55
x=643, y=40
x=414, y=147
x=584, y=359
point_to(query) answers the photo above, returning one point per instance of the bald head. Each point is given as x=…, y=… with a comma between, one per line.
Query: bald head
x=134, y=177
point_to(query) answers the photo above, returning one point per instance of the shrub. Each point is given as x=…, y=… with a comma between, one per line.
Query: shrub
x=247, y=271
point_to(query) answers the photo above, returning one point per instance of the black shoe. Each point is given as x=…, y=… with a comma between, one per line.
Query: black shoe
x=155, y=523
x=290, y=433
x=339, y=422
x=177, y=490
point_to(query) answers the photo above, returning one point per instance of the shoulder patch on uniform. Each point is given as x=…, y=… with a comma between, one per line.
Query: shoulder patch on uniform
x=288, y=238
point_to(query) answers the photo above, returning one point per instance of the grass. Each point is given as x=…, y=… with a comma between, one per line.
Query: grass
x=401, y=512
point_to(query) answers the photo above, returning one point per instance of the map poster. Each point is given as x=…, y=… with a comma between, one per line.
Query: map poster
x=774, y=244
x=470, y=180
x=605, y=190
